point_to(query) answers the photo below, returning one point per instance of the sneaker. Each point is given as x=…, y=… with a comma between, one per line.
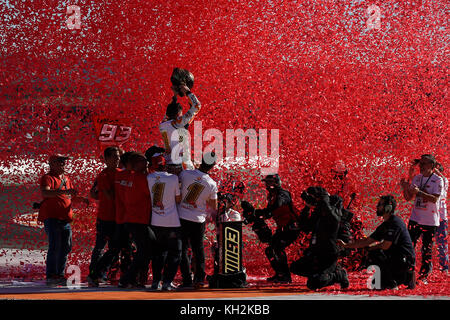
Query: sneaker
x=200, y=285
x=273, y=278
x=283, y=279
x=168, y=287
x=344, y=281
x=125, y=285
x=92, y=282
x=51, y=282
x=56, y=281
x=186, y=285
x=156, y=285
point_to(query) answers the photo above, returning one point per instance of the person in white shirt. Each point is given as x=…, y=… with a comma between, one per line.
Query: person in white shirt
x=425, y=188
x=173, y=130
x=165, y=194
x=441, y=232
x=199, y=193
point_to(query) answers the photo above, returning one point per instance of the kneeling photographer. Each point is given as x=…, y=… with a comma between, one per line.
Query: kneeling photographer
x=281, y=209
x=319, y=262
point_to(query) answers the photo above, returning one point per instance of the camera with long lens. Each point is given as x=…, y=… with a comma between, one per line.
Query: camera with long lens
x=181, y=77
x=248, y=211
x=313, y=195
x=308, y=198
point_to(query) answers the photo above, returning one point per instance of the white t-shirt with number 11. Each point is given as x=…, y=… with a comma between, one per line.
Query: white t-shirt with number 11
x=164, y=187
x=197, y=188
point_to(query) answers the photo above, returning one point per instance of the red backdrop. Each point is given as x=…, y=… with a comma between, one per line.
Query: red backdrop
x=335, y=87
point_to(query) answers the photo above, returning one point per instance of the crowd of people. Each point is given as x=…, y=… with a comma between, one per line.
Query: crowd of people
x=153, y=208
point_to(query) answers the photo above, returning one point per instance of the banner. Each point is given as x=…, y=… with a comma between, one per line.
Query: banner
x=111, y=131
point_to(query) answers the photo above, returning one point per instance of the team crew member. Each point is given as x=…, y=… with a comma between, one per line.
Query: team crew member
x=120, y=246
x=425, y=189
x=137, y=223
x=149, y=153
x=281, y=209
x=56, y=213
x=106, y=213
x=198, y=192
x=389, y=247
x=441, y=232
x=165, y=194
x=176, y=146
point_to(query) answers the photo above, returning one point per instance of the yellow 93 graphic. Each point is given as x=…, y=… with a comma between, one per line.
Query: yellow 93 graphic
x=232, y=241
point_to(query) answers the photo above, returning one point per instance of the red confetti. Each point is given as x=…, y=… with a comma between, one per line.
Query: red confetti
x=339, y=80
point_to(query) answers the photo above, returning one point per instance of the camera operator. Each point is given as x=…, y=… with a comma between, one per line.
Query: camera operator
x=281, y=209
x=389, y=247
x=319, y=262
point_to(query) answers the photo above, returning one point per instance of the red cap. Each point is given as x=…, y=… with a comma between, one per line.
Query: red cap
x=57, y=156
x=158, y=160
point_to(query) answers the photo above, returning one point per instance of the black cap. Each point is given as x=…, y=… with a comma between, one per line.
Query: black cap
x=429, y=157
x=272, y=179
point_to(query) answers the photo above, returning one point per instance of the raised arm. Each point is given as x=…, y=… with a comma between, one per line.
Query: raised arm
x=189, y=116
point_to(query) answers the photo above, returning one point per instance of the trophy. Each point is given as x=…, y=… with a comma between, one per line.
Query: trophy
x=181, y=77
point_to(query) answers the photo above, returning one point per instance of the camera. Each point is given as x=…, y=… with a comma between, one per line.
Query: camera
x=36, y=205
x=248, y=211
x=309, y=199
x=313, y=195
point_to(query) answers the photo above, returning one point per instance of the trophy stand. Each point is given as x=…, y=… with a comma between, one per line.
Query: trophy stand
x=228, y=268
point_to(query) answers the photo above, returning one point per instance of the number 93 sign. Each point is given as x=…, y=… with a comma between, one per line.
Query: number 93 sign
x=112, y=131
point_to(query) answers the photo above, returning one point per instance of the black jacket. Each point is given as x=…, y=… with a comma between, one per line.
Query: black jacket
x=323, y=223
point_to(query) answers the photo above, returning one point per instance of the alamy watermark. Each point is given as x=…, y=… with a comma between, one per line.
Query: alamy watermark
x=237, y=147
x=374, y=280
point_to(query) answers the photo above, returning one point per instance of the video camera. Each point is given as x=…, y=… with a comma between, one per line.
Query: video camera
x=313, y=195
x=248, y=211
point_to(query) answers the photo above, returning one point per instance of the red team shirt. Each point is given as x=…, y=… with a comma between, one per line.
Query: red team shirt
x=137, y=199
x=59, y=207
x=106, y=206
x=121, y=184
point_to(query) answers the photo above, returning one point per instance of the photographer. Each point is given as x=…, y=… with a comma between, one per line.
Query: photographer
x=426, y=189
x=281, y=209
x=389, y=247
x=319, y=262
